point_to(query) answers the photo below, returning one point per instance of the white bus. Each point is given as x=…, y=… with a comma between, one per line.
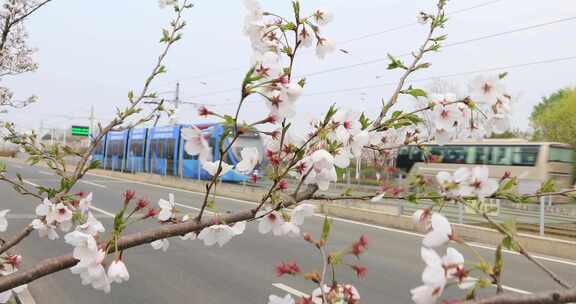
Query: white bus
x=531, y=162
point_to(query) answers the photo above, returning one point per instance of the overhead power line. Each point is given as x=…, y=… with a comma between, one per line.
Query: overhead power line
x=499, y=34
x=382, y=59
x=507, y=67
x=361, y=37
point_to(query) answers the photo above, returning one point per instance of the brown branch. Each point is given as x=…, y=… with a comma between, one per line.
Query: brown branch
x=525, y=253
x=19, y=237
x=548, y=297
x=52, y=265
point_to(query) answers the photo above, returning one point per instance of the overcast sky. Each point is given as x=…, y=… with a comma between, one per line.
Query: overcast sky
x=92, y=52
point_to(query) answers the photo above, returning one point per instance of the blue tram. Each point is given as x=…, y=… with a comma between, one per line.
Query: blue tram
x=160, y=150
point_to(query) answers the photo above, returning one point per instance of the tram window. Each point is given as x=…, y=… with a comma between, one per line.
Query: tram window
x=455, y=154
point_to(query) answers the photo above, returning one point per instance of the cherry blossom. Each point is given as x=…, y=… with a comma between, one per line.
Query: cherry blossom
x=54, y=213
x=45, y=230
x=212, y=167
x=250, y=158
x=166, y=3
x=160, y=244
x=85, y=203
x=290, y=229
x=3, y=221
x=117, y=272
x=300, y=212
x=441, y=231
x=322, y=169
x=270, y=221
x=422, y=18
x=195, y=143
x=92, y=226
x=454, y=185
x=480, y=183
x=322, y=16
x=487, y=89
x=421, y=217
x=324, y=46
x=348, y=125
x=274, y=299
x=341, y=293
x=306, y=35
x=167, y=208
x=220, y=234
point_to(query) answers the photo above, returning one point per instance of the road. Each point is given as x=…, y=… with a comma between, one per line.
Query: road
x=243, y=270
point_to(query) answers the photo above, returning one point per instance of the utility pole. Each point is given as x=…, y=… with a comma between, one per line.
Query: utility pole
x=90, y=133
x=176, y=101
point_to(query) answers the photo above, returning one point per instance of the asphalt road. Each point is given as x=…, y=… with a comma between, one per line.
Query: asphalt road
x=243, y=270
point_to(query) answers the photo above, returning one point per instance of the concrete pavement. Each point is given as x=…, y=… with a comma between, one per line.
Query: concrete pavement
x=242, y=271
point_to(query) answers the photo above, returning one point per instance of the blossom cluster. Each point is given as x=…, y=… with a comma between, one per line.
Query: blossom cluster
x=484, y=110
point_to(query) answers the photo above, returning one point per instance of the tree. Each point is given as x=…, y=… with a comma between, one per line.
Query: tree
x=332, y=140
x=554, y=119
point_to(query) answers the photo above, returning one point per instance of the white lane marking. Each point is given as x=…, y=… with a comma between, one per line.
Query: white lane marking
x=30, y=183
x=290, y=290
x=193, y=208
x=25, y=296
x=301, y=294
x=103, y=211
x=18, y=166
x=93, y=184
x=45, y=173
x=545, y=258
x=516, y=290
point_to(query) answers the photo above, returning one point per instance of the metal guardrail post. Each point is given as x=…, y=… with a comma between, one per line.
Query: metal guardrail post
x=542, y=209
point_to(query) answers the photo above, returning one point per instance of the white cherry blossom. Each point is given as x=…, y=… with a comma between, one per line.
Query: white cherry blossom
x=322, y=16
x=270, y=221
x=3, y=221
x=250, y=158
x=324, y=47
x=220, y=234
x=290, y=229
x=92, y=226
x=45, y=230
x=441, y=231
x=339, y=293
x=160, y=244
x=196, y=143
x=85, y=203
x=167, y=208
x=212, y=167
x=165, y=3
x=480, y=183
x=487, y=89
x=300, y=212
x=117, y=272
x=306, y=35
x=274, y=299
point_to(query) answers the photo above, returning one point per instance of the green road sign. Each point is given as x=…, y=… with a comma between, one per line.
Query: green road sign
x=80, y=131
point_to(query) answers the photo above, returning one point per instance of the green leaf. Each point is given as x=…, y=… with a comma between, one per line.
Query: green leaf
x=326, y=228
x=395, y=63
x=498, y=261
x=302, y=82
x=547, y=186
x=415, y=92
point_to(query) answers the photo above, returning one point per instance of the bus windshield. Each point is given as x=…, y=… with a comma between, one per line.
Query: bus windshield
x=561, y=155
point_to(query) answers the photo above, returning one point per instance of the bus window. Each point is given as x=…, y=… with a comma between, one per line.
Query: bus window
x=524, y=155
x=560, y=154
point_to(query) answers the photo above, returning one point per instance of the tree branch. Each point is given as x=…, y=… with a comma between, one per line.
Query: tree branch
x=548, y=297
x=56, y=264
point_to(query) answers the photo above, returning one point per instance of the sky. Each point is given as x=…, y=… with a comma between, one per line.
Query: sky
x=91, y=53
